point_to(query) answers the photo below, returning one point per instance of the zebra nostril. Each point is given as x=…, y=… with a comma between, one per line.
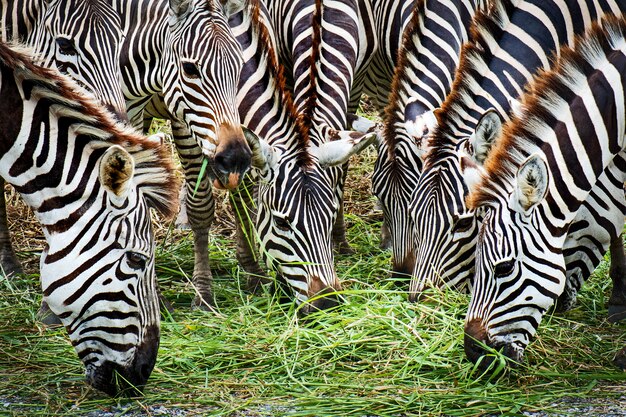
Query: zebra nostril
x=221, y=163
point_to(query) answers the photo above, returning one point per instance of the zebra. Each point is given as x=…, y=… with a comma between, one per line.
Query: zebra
x=90, y=182
x=79, y=38
x=181, y=62
x=337, y=37
x=424, y=75
x=508, y=46
x=570, y=132
x=296, y=203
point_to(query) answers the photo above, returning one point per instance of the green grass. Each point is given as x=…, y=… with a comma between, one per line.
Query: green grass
x=375, y=355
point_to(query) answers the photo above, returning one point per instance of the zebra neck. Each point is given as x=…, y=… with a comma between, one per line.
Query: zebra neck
x=143, y=50
x=427, y=63
x=265, y=105
x=17, y=18
x=41, y=156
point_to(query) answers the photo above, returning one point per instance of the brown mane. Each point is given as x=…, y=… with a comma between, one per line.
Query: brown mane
x=94, y=123
x=518, y=138
x=305, y=118
x=487, y=25
x=302, y=123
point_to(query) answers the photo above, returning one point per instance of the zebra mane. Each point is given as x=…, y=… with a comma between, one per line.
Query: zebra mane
x=154, y=170
x=305, y=117
x=276, y=70
x=393, y=112
x=543, y=96
x=486, y=31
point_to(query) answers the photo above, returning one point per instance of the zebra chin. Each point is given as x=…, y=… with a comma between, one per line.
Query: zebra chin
x=477, y=346
x=323, y=298
x=117, y=380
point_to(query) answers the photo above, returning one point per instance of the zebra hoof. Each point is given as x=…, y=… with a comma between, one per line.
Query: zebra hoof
x=10, y=265
x=256, y=282
x=344, y=248
x=620, y=359
x=165, y=304
x=47, y=317
x=202, y=303
x=617, y=313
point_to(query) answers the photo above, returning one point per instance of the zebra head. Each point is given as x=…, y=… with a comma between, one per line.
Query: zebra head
x=519, y=269
x=97, y=272
x=81, y=38
x=395, y=177
x=201, y=77
x=297, y=206
x=445, y=228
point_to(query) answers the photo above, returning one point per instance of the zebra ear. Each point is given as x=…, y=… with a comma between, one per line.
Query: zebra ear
x=531, y=184
x=516, y=107
x=231, y=7
x=472, y=173
x=179, y=7
x=421, y=128
x=263, y=154
x=340, y=146
x=117, y=168
x=488, y=129
x=363, y=125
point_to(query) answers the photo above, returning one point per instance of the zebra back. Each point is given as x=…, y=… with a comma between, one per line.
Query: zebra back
x=536, y=179
x=90, y=183
x=508, y=46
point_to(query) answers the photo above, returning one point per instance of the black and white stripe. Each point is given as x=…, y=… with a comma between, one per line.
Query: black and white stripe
x=180, y=61
x=568, y=138
x=81, y=39
x=296, y=199
x=509, y=45
x=426, y=65
x=90, y=183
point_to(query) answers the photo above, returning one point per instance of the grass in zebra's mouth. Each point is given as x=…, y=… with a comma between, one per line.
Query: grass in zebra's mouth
x=375, y=355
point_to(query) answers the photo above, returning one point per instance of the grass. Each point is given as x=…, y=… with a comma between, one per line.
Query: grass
x=375, y=355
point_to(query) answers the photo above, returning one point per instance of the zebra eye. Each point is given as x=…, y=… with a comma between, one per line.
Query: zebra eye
x=136, y=260
x=191, y=69
x=463, y=224
x=283, y=224
x=66, y=46
x=504, y=268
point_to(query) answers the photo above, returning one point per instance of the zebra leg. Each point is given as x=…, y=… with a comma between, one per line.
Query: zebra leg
x=339, y=228
x=200, y=212
x=617, y=302
x=620, y=359
x=200, y=209
x=385, y=236
x=8, y=260
x=242, y=202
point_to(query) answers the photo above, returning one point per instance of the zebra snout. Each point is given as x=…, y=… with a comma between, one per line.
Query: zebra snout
x=321, y=298
x=231, y=161
x=115, y=379
x=474, y=339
